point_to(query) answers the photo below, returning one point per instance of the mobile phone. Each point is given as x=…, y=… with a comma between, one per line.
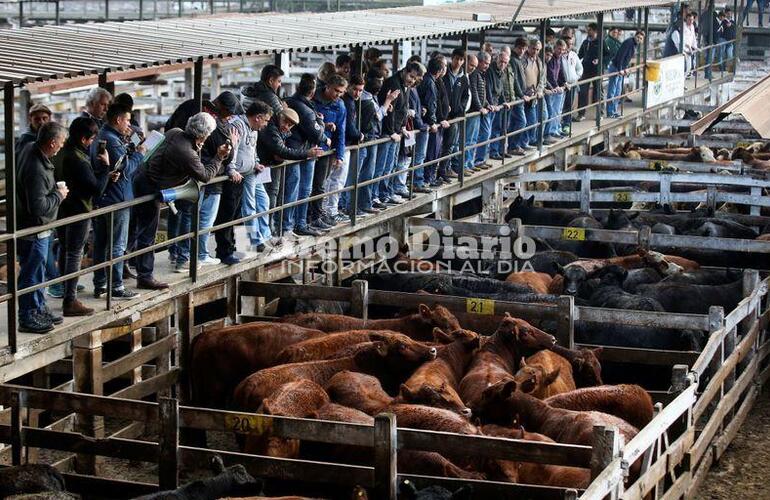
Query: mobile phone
x=135, y=139
x=102, y=147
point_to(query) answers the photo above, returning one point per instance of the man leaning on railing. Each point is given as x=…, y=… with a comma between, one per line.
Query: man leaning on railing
x=38, y=197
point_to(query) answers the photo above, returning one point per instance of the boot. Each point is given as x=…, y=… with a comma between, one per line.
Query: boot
x=76, y=308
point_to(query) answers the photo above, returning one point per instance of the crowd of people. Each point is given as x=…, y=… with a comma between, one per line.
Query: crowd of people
x=414, y=114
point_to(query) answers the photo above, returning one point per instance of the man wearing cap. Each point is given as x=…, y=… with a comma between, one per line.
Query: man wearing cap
x=39, y=114
x=272, y=150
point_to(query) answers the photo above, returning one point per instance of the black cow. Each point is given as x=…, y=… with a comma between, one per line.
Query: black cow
x=528, y=213
x=407, y=490
x=694, y=299
x=641, y=337
x=610, y=293
x=232, y=481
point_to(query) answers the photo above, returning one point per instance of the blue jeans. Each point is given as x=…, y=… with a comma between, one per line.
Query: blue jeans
x=387, y=154
x=299, y=177
x=531, y=112
x=353, y=172
x=725, y=53
x=209, y=206
x=614, y=89
x=472, y=124
x=749, y=5
x=367, y=158
x=180, y=224
x=253, y=202
x=518, y=122
x=119, y=241
x=555, y=105
x=499, y=128
x=435, y=141
x=259, y=230
x=485, y=131
x=420, y=150
x=33, y=256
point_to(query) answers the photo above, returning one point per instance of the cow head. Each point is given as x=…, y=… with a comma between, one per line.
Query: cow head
x=519, y=331
x=519, y=207
x=402, y=345
x=442, y=396
x=534, y=378
x=573, y=276
x=617, y=219
x=492, y=405
x=587, y=366
x=442, y=337
x=439, y=317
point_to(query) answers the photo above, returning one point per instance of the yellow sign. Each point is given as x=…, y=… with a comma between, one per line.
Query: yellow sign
x=743, y=144
x=622, y=196
x=248, y=424
x=480, y=306
x=160, y=237
x=573, y=234
x=658, y=164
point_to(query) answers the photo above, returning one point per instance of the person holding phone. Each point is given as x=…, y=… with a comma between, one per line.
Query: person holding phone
x=73, y=167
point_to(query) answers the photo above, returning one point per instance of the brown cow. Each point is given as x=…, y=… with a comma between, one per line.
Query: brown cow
x=501, y=402
x=530, y=472
x=538, y=282
x=418, y=326
x=544, y=374
x=326, y=347
x=381, y=358
x=497, y=359
x=433, y=419
x=220, y=359
x=409, y=461
x=436, y=383
x=300, y=399
x=358, y=390
x=586, y=368
x=629, y=402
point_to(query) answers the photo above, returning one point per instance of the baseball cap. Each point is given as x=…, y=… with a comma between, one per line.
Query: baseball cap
x=39, y=107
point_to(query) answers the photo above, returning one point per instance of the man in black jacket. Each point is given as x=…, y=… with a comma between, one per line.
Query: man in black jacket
x=589, y=55
x=267, y=89
x=37, y=201
x=38, y=115
x=73, y=167
x=353, y=136
x=393, y=126
x=458, y=90
x=433, y=117
x=308, y=133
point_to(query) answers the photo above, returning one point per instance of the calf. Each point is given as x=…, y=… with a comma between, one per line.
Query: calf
x=694, y=299
x=528, y=213
x=30, y=478
x=326, y=347
x=220, y=359
x=436, y=383
x=586, y=368
x=629, y=402
x=500, y=403
x=496, y=359
x=358, y=390
x=530, y=472
x=381, y=359
x=538, y=282
x=300, y=399
x=418, y=326
x=611, y=294
x=234, y=481
x=544, y=374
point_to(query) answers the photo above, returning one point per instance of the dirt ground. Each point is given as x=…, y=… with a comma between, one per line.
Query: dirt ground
x=742, y=470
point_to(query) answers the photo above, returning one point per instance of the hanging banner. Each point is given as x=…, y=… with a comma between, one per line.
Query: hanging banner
x=665, y=79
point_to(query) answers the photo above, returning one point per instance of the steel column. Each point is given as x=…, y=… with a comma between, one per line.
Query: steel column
x=541, y=100
x=600, y=87
x=395, y=57
x=198, y=83
x=10, y=213
x=644, y=54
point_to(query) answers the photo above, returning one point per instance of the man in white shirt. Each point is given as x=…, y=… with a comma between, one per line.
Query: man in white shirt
x=573, y=72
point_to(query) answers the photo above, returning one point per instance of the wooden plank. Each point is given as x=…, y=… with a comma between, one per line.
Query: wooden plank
x=211, y=293
x=385, y=455
x=150, y=386
x=451, y=444
x=490, y=489
x=453, y=228
x=138, y=358
x=658, y=470
x=287, y=427
x=679, y=487
x=644, y=356
x=643, y=318
x=137, y=321
x=699, y=473
x=723, y=441
x=283, y=468
x=106, y=488
x=288, y=290
x=22, y=365
x=168, y=464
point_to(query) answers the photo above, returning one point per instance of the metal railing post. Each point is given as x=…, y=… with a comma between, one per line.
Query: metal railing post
x=110, y=240
x=106, y=10
x=644, y=54
x=710, y=57
x=141, y=10
x=58, y=18
x=21, y=13
x=354, y=160
x=541, y=100
x=282, y=196
x=10, y=213
x=194, y=244
x=198, y=83
x=463, y=137
x=600, y=104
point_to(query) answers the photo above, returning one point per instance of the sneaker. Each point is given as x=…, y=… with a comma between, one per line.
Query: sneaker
x=371, y=211
x=495, y=157
x=208, y=260
x=230, y=260
x=550, y=140
x=35, y=324
x=518, y=152
x=276, y=241
x=437, y=183
x=321, y=230
x=50, y=316
x=379, y=205
x=126, y=294
x=579, y=118
x=615, y=115
x=329, y=220
x=80, y=287
x=76, y=308
x=56, y=291
x=403, y=194
x=341, y=218
x=397, y=198
x=183, y=267
x=100, y=292
x=530, y=147
x=508, y=154
x=391, y=203
x=422, y=189
x=322, y=224
x=307, y=231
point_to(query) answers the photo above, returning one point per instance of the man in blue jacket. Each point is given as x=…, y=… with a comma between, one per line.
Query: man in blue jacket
x=619, y=65
x=126, y=161
x=330, y=169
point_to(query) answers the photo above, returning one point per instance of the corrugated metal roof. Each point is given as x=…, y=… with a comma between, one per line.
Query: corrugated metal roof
x=58, y=52
x=751, y=104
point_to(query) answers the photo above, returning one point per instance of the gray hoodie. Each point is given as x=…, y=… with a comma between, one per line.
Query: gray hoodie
x=245, y=156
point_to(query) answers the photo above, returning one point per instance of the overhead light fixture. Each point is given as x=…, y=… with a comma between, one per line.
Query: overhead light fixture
x=483, y=17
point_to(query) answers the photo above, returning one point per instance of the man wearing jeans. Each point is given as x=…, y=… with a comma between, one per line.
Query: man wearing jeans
x=37, y=202
x=485, y=123
x=534, y=75
x=125, y=160
x=555, y=87
x=619, y=65
x=518, y=143
x=308, y=133
x=726, y=34
x=371, y=125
